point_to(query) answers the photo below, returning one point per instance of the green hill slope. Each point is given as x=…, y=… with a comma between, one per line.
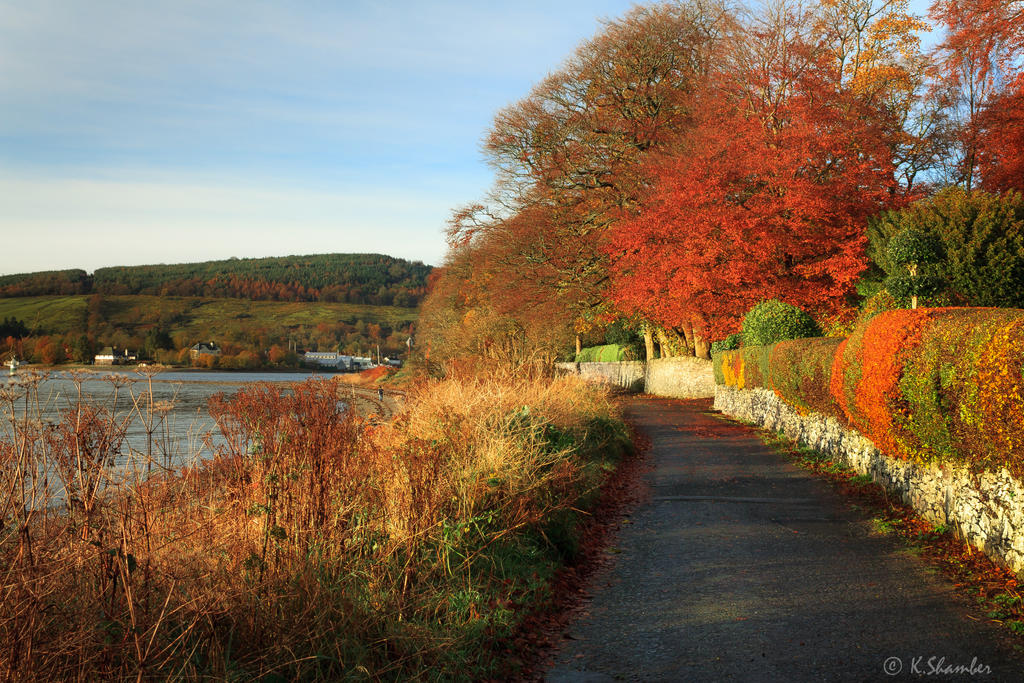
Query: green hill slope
x=175, y=323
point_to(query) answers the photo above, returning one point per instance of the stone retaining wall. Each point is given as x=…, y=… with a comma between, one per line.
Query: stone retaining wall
x=627, y=374
x=682, y=377
x=987, y=508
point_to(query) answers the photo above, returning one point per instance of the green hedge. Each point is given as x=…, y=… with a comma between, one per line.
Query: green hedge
x=928, y=385
x=608, y=353
x=801, y=373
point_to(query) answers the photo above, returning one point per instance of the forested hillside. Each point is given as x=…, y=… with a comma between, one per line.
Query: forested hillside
x=372, y=279
x=56, y=329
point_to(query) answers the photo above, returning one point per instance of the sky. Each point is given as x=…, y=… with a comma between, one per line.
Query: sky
x=172, y=131
x=178, y=131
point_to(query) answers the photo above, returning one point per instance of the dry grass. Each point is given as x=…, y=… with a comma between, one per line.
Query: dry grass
x=313, y=545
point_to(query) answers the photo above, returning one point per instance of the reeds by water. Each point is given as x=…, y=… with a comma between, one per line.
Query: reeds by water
x=313, y=544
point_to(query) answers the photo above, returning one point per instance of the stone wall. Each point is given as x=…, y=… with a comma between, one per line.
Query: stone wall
x=627, y=375
x=682, y=377
x=986, y=509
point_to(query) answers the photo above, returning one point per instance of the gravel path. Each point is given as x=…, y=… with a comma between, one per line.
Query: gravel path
x=741, y=567
x=365, y=400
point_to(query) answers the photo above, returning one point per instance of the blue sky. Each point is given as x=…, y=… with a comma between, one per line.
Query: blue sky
x=175, y=131
x=164, y=132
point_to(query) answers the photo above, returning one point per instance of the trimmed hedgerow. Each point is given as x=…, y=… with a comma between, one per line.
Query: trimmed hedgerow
x=744, y=368
x=756, y=365
x=728, y=368
x=607, y=353
x=967, y=405
x=867, y=368
x=927, y=385
x=801, y=373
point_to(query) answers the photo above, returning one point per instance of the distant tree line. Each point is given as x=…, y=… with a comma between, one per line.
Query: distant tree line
x=372, y=279
x=50, y=282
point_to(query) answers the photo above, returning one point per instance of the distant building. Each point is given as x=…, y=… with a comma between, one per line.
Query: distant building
x=106, y=356
x=111, y=356
x=327, y=359
x=203, y=349
x=361, y=363
x=337, y=361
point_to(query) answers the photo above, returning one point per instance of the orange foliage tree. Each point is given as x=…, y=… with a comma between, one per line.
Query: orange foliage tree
x=567, y=157
x=981, y=63
x=1000, y=127
x=769, y=200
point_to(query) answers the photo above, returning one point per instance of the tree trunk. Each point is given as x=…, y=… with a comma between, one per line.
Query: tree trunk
x=701, y=346
x=912, y=267
x=579, y=346
x=649, y=343
x=666, y=347
x=687, y=328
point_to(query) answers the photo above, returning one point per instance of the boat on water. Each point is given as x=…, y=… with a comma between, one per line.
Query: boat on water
x=12, y=365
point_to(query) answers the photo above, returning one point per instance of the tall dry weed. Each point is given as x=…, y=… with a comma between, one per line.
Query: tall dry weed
x=314, y=544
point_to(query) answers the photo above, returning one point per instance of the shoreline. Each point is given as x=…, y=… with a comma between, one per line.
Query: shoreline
x=137, y=369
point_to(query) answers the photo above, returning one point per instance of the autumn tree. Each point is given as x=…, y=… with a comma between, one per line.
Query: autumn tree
x=767, y=199
x=1000, y=140
x=567, y=156
x=876, y=48
x=981, y=59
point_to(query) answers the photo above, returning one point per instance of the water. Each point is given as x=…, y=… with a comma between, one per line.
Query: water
x=180, y=429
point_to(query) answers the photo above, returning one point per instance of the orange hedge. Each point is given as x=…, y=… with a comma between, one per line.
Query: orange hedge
x=941, y=384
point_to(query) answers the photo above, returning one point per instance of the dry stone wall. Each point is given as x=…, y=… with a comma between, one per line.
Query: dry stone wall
x=683, y=377
x=627, y=375
x=986, y=509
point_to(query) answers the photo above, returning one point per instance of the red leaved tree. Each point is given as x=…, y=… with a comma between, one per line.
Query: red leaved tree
x=768, y=199
x=981, y=65
x=1001, y=141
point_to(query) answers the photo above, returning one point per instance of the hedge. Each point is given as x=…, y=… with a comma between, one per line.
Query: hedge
x=743, y=368
x=798, y=371
x=608, y=353
x=801, y=372
x=925, y=385
x=941, y=384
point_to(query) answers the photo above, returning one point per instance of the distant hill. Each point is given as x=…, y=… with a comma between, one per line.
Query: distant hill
x=373, y=279
x=164, y=327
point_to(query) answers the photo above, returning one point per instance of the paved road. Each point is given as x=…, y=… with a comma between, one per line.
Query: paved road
x=741, y=567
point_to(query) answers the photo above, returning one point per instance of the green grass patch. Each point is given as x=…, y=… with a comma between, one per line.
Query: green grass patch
x=608, y=353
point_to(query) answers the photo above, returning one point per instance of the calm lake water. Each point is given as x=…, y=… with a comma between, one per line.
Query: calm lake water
x=181, y=428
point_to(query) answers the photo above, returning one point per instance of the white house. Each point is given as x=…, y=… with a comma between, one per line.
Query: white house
x=203, y=349
x=326, y=359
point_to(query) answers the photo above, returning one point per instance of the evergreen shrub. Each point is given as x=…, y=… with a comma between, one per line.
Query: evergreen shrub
x=773, y=321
